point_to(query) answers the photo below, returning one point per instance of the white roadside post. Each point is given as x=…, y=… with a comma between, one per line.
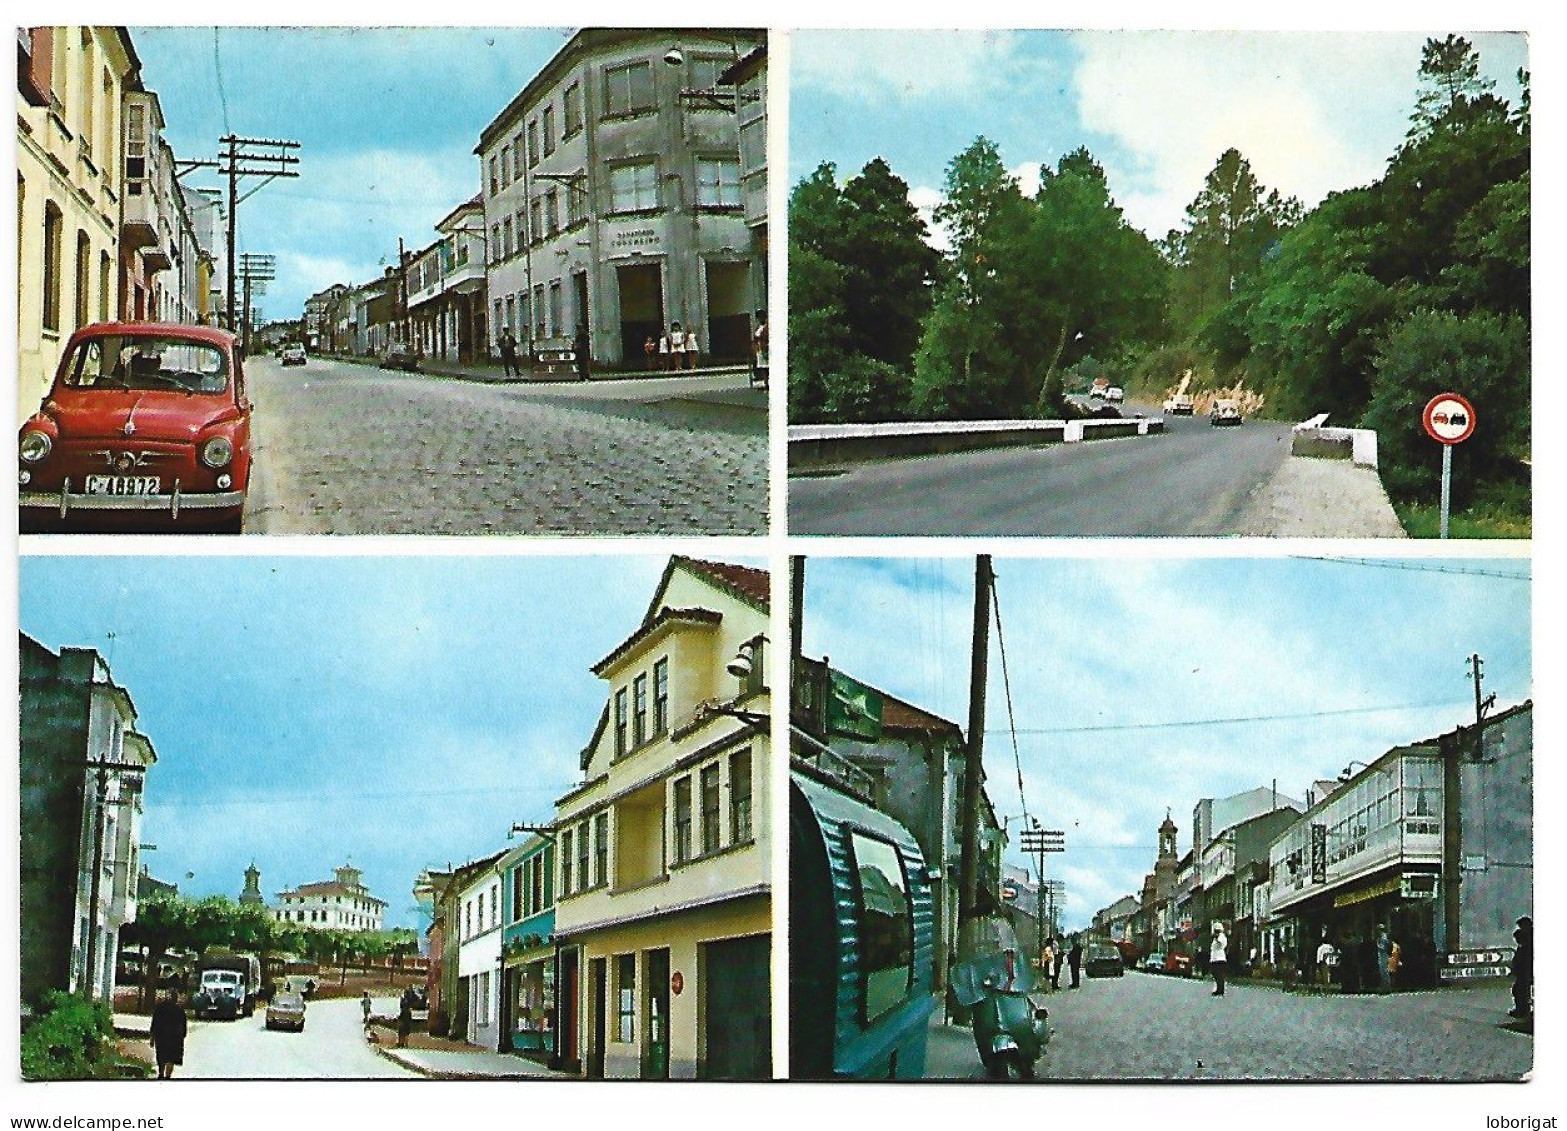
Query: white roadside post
x=1449, y=419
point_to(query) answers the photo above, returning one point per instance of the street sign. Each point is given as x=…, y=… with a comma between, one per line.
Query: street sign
x=1319, y=853
x=1448, y=418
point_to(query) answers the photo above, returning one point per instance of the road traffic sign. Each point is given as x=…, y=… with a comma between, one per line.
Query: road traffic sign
x=1448, y=418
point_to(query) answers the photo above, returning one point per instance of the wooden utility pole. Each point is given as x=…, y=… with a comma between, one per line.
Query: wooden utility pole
x=974, y=768
x=249, y=157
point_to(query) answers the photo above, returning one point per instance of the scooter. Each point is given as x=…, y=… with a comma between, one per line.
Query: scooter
x=1011, y=1023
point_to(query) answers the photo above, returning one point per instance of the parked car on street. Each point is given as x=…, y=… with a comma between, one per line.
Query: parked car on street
x=146, y=428
x=1115, y=394
x=400, y=356
x=1179, y=405
x=1154, y=963
x=294, y=354
x=287, y=1011
x=1100, y=961
x=1178, y=964
x=1224, y=412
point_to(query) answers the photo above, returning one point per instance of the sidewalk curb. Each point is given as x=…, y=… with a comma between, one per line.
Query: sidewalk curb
x=392, y=1054
x=481, y=377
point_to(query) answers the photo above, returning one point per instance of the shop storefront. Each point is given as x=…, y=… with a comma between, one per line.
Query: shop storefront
x=530, y=988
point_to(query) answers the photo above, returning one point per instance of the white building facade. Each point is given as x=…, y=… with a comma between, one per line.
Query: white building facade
x=612, y=197
x=341, y=903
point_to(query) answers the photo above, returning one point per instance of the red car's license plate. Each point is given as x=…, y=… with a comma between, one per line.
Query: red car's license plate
x=122, y=484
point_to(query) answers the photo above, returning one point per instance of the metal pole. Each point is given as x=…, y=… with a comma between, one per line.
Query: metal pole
x=968, y=864
x=1447, y=483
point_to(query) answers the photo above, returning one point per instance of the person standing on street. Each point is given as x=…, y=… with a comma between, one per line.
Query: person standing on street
x=1074, y=958
x=168, y=1035
x=1523, y=969
x=677, y=347
x=1218, y=958
x=1384, y=949
x=1048, y=959
x=582, y=347
x=405, y=1019
x=508, y=346
x=364, y=1007
x=1327, y=959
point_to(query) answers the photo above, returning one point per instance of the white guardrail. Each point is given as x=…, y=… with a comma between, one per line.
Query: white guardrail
x=1363, y=441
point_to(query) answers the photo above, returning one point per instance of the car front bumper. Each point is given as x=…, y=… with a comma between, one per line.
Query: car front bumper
x=64, y=501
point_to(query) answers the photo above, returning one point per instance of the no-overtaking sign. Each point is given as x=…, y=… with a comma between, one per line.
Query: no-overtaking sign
x=1449, y=418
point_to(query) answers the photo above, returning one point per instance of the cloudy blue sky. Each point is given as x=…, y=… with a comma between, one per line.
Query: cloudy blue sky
x=387, y=119
x=1141, y=684
x=1313, y=111
x=396, y=711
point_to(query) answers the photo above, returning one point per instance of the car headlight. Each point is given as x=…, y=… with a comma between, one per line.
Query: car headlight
x=35, y=446
x=217, y=452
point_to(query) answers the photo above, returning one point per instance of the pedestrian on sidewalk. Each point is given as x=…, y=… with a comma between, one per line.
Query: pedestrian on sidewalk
x=1048, y=960
x=405, y=1020
x=677, y=347
x=1055, y=973
x=1384, y=949
x=1395, y=959
x=1074, y=957
x=663, y=350
x=1523, y=969
x=759, y=348
x=691, y=349
x=508, y=345
x=582, y=346
x=364, y=1007
x=168, y=1035
x=1218, y=958
x=1327, y=961
x=649, y=349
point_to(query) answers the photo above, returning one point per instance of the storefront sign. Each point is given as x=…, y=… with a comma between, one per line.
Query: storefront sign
x=1371, y=891
x=636, y=239
x=1319, y=854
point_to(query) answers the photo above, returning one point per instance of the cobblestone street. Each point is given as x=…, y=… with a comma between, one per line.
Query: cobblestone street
x=347, y=449
x=1150, y=1027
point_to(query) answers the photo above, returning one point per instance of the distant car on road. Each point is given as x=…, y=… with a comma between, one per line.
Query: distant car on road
x=1101, y=961
x=400, y=356
x=1178, y=964
x=146, y=427
x=294, y=354
x=1224, y=412
x=1179, y=405
x=1154, y=963
x=1099, y=389
x=1115, y=394
x=287, y=1011
x=1106, y=411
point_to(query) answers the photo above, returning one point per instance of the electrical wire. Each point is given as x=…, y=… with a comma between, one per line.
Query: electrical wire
x=217, y=67
x=1415, y=567
x=1238, y=720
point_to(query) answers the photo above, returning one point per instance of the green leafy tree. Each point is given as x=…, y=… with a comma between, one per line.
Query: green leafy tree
x=1482, y=355
x=1449, y=77
x=888, y=266
x=1231, y=226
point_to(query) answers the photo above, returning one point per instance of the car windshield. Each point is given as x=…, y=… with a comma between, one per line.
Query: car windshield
x=220, y=978
x=147, y=361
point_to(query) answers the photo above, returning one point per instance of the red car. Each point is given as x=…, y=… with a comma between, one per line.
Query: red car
x=146, y=428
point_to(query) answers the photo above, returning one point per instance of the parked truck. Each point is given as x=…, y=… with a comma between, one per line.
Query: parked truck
x=227, y=986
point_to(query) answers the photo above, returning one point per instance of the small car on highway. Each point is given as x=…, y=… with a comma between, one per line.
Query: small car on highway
x=1224, y=412
x=286, y=1011
x=1179, y=405
x=1100, y=961
x=294, y=354
x=146, y=428
x=1115, y=394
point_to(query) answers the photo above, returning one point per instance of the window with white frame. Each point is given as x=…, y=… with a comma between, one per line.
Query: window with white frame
x=572, y=102
x=633, y=187
x=661, y=696
x=682, y=811
x=639, y=710
x=549, y=130
x=718, y=183
x=565, y=862
x=740, y=796
x=710, y=809
x=628, y=89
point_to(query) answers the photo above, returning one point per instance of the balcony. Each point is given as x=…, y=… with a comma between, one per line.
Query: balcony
x=144, y=226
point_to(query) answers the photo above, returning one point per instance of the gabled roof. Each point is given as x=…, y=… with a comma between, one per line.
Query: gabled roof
x=664, y=617
x=749, y=585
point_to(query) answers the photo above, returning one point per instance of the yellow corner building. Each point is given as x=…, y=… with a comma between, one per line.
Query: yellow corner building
x=663, y=925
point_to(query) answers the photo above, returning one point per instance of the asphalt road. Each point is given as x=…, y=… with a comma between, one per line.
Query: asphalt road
x=1156, y=1027
x=331, y=1046
x=349, y=449
x=1194, y=480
